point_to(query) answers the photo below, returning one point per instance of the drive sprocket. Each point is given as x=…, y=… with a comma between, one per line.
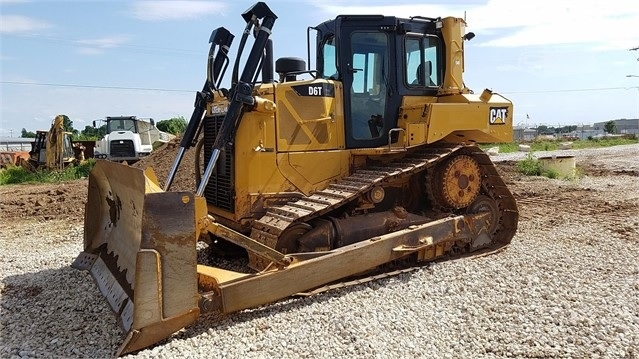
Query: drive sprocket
x=456, y=182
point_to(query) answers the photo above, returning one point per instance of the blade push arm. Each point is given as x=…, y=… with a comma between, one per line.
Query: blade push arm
x=240, y=95
x=221, y=40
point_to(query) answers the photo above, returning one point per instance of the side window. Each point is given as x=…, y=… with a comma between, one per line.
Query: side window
x=422, y=61
x=330, y=59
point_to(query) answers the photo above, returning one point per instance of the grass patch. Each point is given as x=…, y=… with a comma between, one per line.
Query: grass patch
x=503, y=147
x=548, y=145
x=529, y=166
x=604, y=142
x=15, y=175
x=551, y=174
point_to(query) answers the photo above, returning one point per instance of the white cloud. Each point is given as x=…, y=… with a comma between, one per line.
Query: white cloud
x=99, y=46
x=153, y=10
x=13, y=24
x=399, y=10
x=610, y=25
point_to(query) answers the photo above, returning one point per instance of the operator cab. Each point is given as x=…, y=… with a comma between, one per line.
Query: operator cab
x=379, y=60
x=127, y=123
x=121, y=124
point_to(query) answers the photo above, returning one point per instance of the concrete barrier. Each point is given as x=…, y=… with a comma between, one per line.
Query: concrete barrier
x=564, y=166
x=524, y=148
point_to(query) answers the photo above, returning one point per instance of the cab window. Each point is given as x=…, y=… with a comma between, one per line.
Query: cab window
x=330, y=60
x=422, y=61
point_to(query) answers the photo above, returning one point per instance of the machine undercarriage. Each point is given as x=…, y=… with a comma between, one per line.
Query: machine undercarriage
x=425, y=185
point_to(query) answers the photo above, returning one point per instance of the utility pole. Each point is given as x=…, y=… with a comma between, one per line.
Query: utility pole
x=635, y=49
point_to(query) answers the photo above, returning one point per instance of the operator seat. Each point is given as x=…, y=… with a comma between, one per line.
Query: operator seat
x=426, y=67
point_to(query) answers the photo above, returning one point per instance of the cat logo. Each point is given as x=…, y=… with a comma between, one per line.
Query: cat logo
x=498, y=115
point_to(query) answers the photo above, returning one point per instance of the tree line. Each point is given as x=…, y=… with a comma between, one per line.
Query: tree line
x=174, y=125
x=609, y=127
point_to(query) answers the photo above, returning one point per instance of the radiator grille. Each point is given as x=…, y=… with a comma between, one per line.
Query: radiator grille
x=122, y=148
x=220, y=191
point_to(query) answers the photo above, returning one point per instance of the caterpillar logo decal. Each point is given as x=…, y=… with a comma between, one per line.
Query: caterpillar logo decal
x=498, y=115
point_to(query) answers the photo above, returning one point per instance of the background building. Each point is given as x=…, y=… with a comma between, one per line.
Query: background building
x=623, y=125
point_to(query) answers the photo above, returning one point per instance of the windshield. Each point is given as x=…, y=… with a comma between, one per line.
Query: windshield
x=124, y=124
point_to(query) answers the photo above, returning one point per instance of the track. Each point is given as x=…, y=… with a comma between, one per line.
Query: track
x=277, y=219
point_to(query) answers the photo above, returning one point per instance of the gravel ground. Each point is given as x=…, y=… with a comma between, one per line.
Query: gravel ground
x=583, y=154
x=567, y=286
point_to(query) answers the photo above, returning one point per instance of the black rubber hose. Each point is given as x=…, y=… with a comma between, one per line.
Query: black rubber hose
x=198, y=151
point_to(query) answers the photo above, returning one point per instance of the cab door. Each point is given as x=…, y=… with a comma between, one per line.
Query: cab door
x=366, y=73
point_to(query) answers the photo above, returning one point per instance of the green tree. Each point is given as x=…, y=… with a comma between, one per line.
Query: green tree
x=542, y=129
x=610, y=127
x=68, y=126
x=27, y=134
x=566, y=129
x=175, y=125
x=67, y=123
x=91, y=133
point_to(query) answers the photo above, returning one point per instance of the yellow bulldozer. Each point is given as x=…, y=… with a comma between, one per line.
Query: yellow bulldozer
x=368, y=161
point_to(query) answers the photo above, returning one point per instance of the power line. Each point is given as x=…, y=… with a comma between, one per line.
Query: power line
x=192, y=91
x=95, y=86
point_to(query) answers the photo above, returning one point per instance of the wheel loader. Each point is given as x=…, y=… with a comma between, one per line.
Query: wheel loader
x=367, y=162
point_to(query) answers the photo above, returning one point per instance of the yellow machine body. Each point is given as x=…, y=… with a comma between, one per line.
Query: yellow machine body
x=300, y=145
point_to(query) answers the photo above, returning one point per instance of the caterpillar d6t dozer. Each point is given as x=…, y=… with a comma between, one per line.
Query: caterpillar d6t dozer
x=367, y=162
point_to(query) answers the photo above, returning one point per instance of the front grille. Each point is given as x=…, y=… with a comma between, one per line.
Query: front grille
x=220, y=191
x=122, y=148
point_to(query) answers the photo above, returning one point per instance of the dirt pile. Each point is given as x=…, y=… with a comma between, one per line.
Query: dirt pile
x=161, y=160
x=66, y=200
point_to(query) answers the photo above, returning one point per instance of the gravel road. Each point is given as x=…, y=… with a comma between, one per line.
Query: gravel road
x=567, y=286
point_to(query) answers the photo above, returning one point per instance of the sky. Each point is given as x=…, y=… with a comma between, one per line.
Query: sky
x=561, y=62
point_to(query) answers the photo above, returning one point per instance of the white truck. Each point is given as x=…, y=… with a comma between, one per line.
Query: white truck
x=129, y=138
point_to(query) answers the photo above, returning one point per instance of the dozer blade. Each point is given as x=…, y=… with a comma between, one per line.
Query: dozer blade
x=139, y=246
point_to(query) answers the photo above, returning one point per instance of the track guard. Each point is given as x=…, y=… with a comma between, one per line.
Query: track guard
x=139, y=246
